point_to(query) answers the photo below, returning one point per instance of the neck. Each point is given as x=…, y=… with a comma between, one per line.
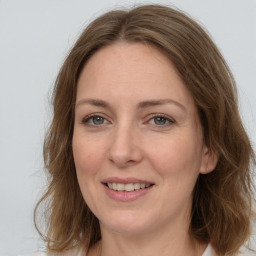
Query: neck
x=174, y=242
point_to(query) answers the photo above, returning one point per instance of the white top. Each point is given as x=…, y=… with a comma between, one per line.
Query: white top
x=209, y=251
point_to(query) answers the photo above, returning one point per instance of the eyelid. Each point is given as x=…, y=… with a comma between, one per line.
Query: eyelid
x=168, y=118
x=85, y=120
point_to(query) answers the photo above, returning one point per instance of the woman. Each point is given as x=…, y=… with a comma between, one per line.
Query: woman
x=146, y=151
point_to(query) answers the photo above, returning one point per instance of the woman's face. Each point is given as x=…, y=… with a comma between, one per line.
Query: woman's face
x=137, y=143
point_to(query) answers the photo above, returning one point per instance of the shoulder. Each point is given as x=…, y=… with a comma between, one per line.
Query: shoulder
x=34, y=254
x=246, y=252
x=209, y=251
x=73, y=252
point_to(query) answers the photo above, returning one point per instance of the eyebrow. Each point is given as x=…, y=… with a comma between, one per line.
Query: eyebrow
x=150, y=103
x=141, y=105
x=94, y=102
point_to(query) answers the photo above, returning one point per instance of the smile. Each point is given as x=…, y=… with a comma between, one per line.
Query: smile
x=127, y=187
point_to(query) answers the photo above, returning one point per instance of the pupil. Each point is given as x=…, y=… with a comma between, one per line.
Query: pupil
x=98, y=120
x=160, y=120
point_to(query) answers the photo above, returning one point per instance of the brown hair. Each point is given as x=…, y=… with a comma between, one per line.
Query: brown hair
x=222, y=202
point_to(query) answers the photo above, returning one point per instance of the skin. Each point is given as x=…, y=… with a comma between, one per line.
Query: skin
x=128, y=141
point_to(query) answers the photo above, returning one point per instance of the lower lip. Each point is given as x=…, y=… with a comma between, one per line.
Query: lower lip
x=124, y=196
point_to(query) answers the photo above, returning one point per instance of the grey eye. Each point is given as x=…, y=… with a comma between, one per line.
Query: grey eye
x=160, y=120
x=94, y=121
x=97, y=120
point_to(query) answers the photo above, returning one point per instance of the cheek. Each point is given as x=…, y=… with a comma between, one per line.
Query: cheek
x=87, y=155
x=88, y=160
x=180, y=157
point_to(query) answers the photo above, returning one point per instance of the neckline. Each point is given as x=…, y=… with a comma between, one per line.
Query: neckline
x=209, y=251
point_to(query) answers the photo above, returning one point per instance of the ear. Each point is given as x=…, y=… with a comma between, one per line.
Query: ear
x=209, y=160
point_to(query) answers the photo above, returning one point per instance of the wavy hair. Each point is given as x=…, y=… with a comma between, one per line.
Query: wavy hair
x=222, y=199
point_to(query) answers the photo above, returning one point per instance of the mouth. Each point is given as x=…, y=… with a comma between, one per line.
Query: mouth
x=127, y=189
x=130, y=187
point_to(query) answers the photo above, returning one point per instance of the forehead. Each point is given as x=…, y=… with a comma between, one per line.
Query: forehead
x=131, y=70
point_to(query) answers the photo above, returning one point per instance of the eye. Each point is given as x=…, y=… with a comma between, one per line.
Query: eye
x=160, y=120
x=94, y=120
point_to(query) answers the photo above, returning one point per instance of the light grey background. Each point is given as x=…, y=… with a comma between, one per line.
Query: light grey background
x=35, y=37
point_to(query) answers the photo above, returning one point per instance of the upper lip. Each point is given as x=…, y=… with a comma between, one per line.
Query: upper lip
x=126, y=180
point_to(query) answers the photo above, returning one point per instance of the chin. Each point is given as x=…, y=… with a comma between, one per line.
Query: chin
x=130, y=224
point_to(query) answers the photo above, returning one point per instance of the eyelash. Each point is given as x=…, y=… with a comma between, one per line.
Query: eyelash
x=86, y=120
x=167, y=118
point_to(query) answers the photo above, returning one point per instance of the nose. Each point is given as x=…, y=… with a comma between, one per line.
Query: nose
x=125, y=149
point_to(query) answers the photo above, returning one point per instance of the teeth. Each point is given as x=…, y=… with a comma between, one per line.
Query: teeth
x=120, y=187
x=127, y=187
x=136, y=186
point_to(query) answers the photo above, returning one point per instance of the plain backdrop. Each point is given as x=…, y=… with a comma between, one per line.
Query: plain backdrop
x=35, y=37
